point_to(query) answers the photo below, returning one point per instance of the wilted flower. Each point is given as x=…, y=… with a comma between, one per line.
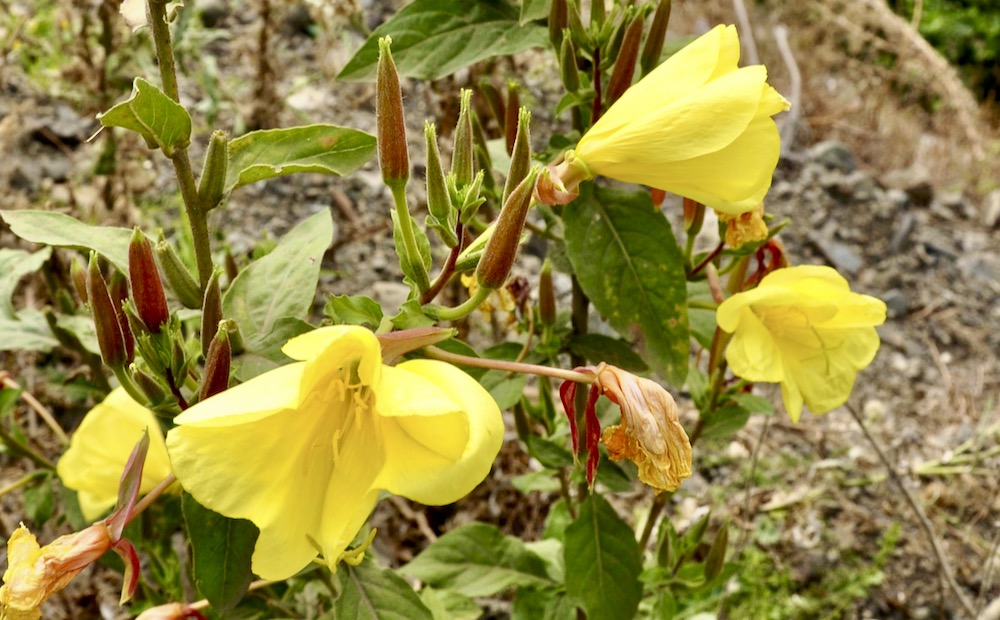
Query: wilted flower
x=745, y=228
x=304, y=450
x=650, y=433
x=134, y=12
x=35, y=573
x=99, y=449
x=698, y=125
x=804, y=328
x=171, y=611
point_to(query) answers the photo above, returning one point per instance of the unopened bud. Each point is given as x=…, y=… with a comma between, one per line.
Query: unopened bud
x=109, y=331
x=557, y=22
x=212, y=183
x=179, y=279
x=235, y=336
x=171, y=611
x=211, y=312
x=78, y=273
x=217, y=362
x=471, y=199
x=569, y=72
x=598, y=12
x=694, y=215
x=493, y=98
x=118, y=290
x=393, y=156
x=178, y=361
x=462, y=156
x=520, y=159
x=438, y=197
x=513, y=111
x=147, y=288
x=149, y=386
x=621, y=76
x=501, y=249
x=657, y=34
x=546, y=294
x=575, y=23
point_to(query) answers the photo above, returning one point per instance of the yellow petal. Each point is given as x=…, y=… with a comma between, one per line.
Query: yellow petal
x=752, y=353
x=423, y=461
x=258, y=398
x=335, y=347
x=100, y=447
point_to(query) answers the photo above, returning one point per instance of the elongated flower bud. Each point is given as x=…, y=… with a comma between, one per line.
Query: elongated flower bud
x=501, y=249
x=575, y=22
x=393, y=156
x=149, y=386
x=118, y=290
x=520, y=159
x=147, y=288
x=235, y=336
x=179, y=279
x=213, y=174
x=211, y=312
x=655, y=37
x=621, y=76
x=510, y=120
x=462, y=156
x=438, y=196
x=557, y=22
x=598, y=12
x=109, y=331
x=568, y=70
x=217, y=362
x=546, y=294
x=78, y=273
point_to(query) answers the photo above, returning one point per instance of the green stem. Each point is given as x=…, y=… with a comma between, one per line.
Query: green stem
x=129, y=385
x=444, y=313
x=20, y=449
x=702, y=305
x=20, y=482
x=505, y=366
x=406, y=230
x=150, y=497
x=659, y=502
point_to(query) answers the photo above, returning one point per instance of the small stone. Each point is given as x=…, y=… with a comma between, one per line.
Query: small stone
x=956, y=203
x=914, y=181
x=991, y=209
x=841, y=256
x=898, y=198
x=896, y=302
x=874, y=409
x=901, y=238
x=833, y=154
x=390, y=295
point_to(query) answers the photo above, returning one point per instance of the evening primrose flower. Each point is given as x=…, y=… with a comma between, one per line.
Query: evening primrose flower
x=100, y=448
x=698, y=126
x=744, y=228
x=304, y=450
x=650, y=433
x=804, y=328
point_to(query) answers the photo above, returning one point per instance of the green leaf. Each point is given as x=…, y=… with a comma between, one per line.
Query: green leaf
x=731, y=417
x=282, y=284
x=701, y=320
x=435, y=38
x=162, y=122
x=628, y=263
x=549, y=453
x=263, y=352
x=597, y=348
x=545, y=481
x=14, y=265
x=477, y=560
x=542, y=604
x=49, y=228
x=353, y=310
x=369, y=592
x=221, y=549
x=534, y=9
x=39, y=500
x=603, y=562
x=29, y=332
x=269, y=153
x=82, y=327
x=449, y=605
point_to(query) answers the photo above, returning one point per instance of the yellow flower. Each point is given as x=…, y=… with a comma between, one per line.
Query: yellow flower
x=99, y=449
x=697, y=125
x=650, y=434
x=304, y=450
x=35, y=573
x=804, y=328
x=745, y=228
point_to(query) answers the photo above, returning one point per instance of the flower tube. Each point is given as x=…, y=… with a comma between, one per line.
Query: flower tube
x=303, y=451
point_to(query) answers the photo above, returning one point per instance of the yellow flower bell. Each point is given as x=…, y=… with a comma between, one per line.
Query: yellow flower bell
x=698, y=126
x=99, y=449
x=804, y=328
x=304, y=450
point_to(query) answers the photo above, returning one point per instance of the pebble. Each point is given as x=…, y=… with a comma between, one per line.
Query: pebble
x=833, y=154
x=991, y=209
x=914, y=181
x=897, y=303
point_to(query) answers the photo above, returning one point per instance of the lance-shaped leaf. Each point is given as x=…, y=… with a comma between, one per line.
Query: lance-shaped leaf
x=627, y=260
x=435, y=38
x=368, y=592
x=14, y=265
x=269, y=153
x=162, y=122
x=222, y=548
x=49, y=228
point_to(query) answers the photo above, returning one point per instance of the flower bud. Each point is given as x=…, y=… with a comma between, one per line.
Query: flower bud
x=621, y=76
x=471, y=199
x=546, y=295
x=462, y=155
x=235, y=336
x=512, y=114
x=557, y=22
x=171, y=611
x=212, y=183
x=217, y=362
x=501, y=249
x=78, y=274
x=575, y=23
x=211, y=312
x=179, y=279
x=471, y=255
x=655, y=37
x=147, y=289
x=568, y=70
x=694, y=216
x=442, y=218
x=149, y=386
x=494, y=99
x=393, y=156
x=109, y=330
x=520, y=159
x=598, y=12
x=118, y=290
